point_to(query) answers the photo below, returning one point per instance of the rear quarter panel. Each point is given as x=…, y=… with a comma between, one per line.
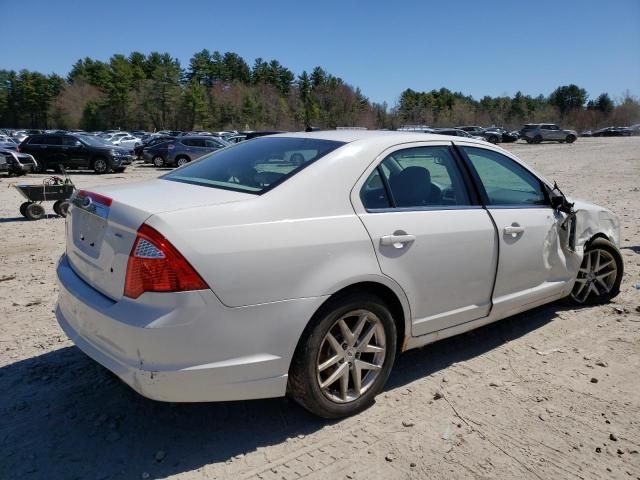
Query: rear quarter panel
x=302, y=239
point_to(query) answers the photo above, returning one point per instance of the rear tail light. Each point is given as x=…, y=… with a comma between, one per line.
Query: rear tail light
x=95, y=197
x=156, y=266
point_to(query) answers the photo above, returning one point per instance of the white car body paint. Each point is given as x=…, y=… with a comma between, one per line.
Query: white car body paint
x=272, y=260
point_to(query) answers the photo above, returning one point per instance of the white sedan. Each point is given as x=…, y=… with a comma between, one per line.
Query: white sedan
x=303, y=263
x=126, y=141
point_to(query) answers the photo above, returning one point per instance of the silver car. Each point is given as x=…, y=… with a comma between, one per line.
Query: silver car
x=542, y=132
x=302, y=263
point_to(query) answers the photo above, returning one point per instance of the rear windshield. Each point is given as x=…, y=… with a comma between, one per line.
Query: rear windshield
x=254, y=166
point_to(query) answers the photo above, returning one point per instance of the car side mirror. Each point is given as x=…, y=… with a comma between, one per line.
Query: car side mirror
x=558, y=200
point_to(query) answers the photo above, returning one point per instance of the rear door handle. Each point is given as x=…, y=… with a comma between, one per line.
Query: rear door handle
x=397, y=241
x=513, y=230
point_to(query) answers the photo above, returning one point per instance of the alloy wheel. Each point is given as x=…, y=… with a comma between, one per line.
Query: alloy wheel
x=596, y=276
x=100, y=166
x=351, y=356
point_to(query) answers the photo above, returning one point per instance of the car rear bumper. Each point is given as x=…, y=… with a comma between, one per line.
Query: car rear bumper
x=184, y=347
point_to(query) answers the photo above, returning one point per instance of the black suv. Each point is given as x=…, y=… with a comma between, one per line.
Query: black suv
x=75, y=152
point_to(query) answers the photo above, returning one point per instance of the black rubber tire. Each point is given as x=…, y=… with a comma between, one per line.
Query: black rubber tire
x=537, y=139
x=34, y=211
x=527, y=140
x=158, y=161
x=603, y=244
x=570, y=138
x=182, y=158
x=61, y=207
x=64, y=208
x=23, y=209
x=101, y=165
x=302, y=385
x=493, y=139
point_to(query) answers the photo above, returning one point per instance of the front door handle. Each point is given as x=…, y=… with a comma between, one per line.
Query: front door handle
x=514, y=230
x=397, y=241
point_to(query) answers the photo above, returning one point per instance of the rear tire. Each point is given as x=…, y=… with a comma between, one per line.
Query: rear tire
x=336, y=372
x=570, y=138
x=158, y=161
x=34, y=211
x=493, y=139
x=23, y=209
x=599, y=276
x=61, y=207
x=537, y=139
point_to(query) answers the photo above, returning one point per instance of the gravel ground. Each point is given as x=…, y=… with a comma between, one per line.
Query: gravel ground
x=552, y=393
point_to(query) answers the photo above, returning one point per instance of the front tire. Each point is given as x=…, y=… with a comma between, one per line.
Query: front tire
x=344, y=356
x=570, y=138
x=600, y=274
x=100, y=166
x=180, y=161
x=34, y=211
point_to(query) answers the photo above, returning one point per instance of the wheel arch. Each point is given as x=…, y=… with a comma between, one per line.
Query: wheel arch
x=390, y=293
x=597, y=235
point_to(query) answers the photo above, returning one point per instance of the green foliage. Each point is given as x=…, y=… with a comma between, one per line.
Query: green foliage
x=602, y=104
x=221, y=91
x=568, y=97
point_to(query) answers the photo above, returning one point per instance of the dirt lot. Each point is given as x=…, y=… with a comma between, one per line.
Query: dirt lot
x=553, y=393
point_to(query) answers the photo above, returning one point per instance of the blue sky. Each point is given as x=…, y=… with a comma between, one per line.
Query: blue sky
x=477, y=47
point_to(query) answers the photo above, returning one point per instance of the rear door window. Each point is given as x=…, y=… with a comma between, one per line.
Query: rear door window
x=415, y=178
x=36, y=140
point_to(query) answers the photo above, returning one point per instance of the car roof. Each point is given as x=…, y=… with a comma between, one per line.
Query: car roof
x=393, y=137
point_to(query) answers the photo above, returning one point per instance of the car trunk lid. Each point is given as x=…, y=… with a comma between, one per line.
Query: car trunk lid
x=102, y=225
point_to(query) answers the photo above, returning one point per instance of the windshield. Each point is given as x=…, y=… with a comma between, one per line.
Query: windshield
x=254, y=166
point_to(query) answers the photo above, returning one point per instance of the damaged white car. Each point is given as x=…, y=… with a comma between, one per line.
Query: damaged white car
x=302, y=264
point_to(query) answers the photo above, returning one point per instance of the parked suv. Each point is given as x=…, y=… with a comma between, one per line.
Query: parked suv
x=542, y=132
x=182, y=150
x=138, y=150
x=75, y=152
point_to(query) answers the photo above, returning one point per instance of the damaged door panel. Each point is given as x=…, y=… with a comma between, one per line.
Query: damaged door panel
x=535, y=260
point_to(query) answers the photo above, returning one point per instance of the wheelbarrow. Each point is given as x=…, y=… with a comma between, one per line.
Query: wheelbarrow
x=52, y=189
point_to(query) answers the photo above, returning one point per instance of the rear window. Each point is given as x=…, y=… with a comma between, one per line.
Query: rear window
x=254, y=166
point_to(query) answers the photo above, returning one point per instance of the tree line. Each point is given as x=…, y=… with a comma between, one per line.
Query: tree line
x=219, y=91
